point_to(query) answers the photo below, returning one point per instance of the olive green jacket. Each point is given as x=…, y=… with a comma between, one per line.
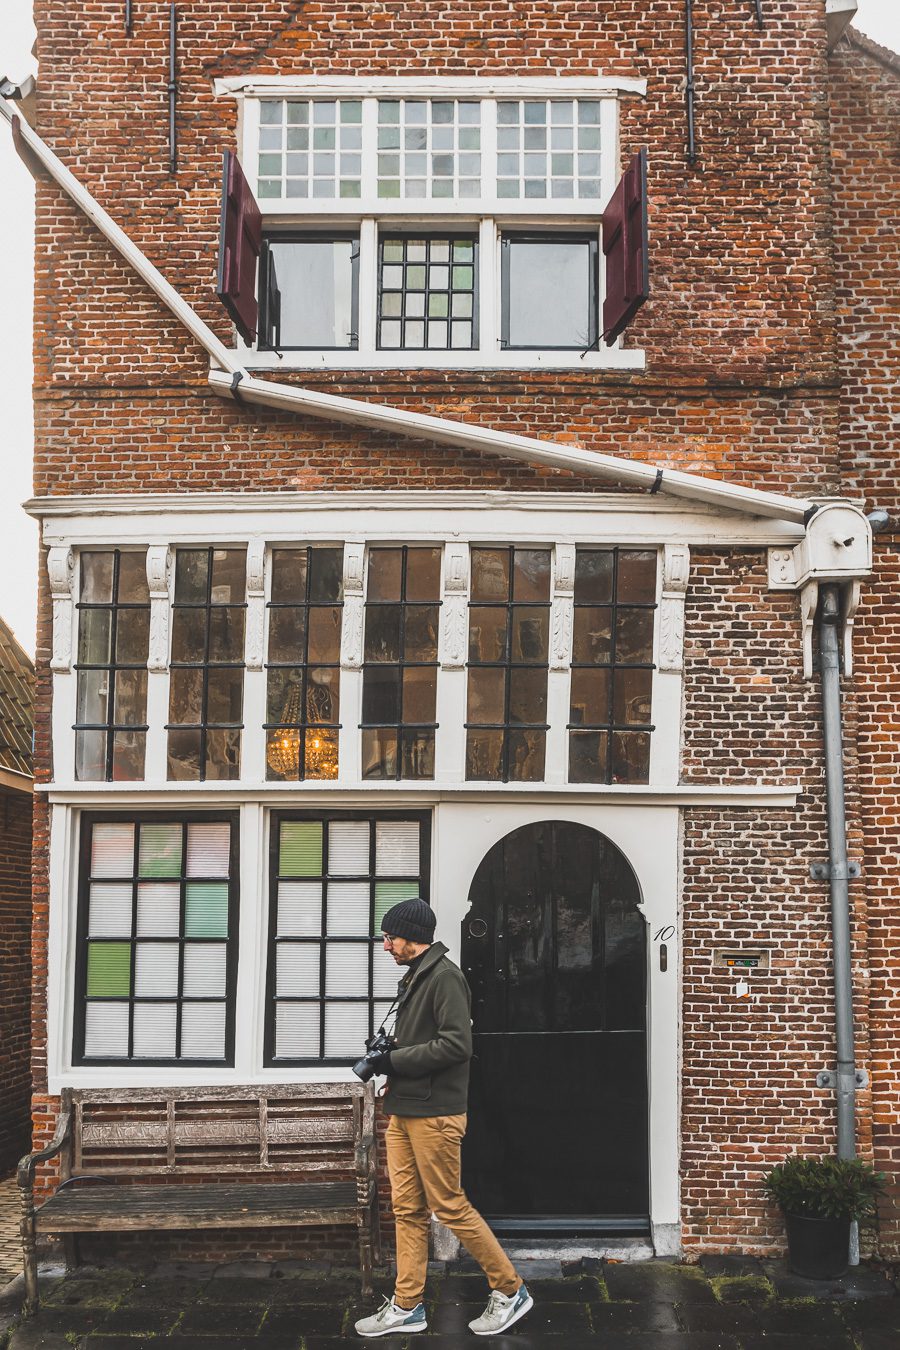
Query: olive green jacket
x=430, y=1067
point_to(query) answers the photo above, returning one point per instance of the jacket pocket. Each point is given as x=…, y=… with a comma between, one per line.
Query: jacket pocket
x=416, y=1089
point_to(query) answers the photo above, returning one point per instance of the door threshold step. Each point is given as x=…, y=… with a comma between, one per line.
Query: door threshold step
x=555, y=1253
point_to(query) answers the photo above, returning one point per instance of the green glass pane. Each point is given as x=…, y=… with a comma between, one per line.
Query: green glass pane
x=301, y=849
x=109, y=970
x=160, y=850
x=388, y=893
x=206, y=909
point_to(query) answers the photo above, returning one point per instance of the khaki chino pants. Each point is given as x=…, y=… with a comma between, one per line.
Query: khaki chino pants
x=423, y=1158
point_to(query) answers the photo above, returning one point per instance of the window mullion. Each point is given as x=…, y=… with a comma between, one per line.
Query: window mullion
x=488, y=271
x=369, y=185
x=368, y=285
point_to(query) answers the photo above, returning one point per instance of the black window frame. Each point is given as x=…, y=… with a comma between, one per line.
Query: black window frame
x=204, y=725
x=270, y=296
x=508, y=665
x=306, y=605
x=406, y=235
x=112, y=667
x=402, y=664
x=508, y=237
x=137, y=818
x=424, y=819
x=610, y=726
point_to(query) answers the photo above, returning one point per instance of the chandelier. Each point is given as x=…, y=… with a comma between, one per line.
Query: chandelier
x=286, y=741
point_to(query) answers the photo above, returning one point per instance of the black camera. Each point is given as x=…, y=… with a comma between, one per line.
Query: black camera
x=376, y=1046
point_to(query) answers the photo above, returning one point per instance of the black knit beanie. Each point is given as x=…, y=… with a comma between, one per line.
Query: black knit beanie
x=411, y=919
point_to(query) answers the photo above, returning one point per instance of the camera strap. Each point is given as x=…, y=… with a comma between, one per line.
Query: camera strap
x=403, y=994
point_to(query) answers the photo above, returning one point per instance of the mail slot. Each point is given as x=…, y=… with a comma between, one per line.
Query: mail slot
x=735, y=959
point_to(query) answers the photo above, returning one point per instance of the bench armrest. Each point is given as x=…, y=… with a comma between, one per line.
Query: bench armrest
x=365, y=1155
x=26, y=1169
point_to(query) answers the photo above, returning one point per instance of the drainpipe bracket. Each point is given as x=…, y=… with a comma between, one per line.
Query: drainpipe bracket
x=827, y=1078
x=825, y=872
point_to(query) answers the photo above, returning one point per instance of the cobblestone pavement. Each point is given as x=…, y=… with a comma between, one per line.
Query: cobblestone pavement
x=10, y=1245
x=726, y=1303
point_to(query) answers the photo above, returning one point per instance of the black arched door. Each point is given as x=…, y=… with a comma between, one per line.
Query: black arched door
x=554, y=947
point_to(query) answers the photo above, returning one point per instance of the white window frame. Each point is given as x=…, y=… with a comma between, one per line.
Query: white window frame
x=487, y=217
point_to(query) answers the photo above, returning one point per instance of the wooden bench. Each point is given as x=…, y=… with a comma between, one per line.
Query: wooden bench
x=283, y=1156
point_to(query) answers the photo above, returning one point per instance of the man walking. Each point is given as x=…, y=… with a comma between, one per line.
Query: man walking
x=426, y=1099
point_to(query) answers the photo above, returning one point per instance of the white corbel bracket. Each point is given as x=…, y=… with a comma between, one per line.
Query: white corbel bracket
x=837, y=547
x=676, y=571
x=159, y=576
x=454, y=619
x=61, y=570
x=809, y=604
x=256, y=603
x=354, y=600
x=562, y=614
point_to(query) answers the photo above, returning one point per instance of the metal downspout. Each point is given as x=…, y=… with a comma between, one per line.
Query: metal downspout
x=838, y=865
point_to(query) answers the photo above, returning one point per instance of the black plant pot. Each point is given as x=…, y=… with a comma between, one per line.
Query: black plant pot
x=818, y=1249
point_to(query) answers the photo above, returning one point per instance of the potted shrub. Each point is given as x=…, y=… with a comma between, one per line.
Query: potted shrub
x=820, y=1197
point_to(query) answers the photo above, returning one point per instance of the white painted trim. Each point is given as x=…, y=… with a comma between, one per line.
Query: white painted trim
x=583, y=517
x=425, y=86
x=481, y=358
x=319, y=792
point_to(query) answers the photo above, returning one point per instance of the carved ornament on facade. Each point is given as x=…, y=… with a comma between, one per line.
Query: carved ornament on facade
x=61, y=570
x=676, y=572
x=354, y=604
x=159, y=576
x=562, y=607
x=455, y=618
x=256, y=603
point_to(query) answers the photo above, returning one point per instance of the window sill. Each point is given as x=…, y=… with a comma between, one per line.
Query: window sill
x=615, y=358
x=405, y=792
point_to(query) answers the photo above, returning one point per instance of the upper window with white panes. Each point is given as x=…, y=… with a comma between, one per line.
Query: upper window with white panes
x=433, y=223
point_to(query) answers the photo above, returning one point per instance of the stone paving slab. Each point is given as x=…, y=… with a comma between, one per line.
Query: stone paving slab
x=726, y=1303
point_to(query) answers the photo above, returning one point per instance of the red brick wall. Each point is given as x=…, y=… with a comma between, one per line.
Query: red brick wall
x=749, y=1097
x=865, y=108
x=15, y=975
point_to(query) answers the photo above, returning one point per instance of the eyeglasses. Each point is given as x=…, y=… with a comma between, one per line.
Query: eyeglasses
x=389, y=940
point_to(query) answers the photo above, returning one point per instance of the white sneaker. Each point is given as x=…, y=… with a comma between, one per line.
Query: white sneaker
x=502, y=1310
x=391, y=1318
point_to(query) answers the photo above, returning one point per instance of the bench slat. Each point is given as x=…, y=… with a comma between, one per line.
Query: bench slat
x=214, y=1206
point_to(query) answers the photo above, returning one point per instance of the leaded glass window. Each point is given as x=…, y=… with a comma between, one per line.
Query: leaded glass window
x=157, y=940
x=304, y=665
x=548, y=148
x=429, y=148
x=426, y=293
x=206, y=681
x=333, y=878
x=400, y=656
x=612, y=666
x=310, y=148
x=113, y=640
x=509, y=622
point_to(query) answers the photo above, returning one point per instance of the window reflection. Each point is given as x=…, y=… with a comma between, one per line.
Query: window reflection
x=612, y=666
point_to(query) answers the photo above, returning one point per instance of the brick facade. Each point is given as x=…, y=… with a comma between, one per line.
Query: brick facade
x=15, y=962
x=746, y=378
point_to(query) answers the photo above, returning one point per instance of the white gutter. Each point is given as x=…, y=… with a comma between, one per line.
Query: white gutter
x=379, y=417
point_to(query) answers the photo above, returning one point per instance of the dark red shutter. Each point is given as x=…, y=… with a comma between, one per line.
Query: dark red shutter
x=240, y=239
x=625, y=247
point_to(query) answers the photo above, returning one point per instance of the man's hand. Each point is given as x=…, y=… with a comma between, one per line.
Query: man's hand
x=382, y=1063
